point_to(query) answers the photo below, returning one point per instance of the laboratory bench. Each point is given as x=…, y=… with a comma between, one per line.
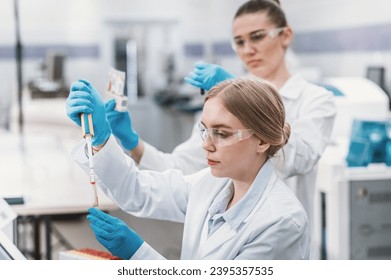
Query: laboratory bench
x=39, y=169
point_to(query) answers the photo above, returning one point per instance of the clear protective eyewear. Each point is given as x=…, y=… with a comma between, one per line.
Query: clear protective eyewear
x=224, y=137
x=256, y=38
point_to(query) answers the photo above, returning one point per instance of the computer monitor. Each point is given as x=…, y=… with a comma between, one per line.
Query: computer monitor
x=8, y=251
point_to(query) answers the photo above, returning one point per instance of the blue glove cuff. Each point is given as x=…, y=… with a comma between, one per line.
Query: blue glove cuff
x=103, y=135
x=134, y=246
x=129, y=143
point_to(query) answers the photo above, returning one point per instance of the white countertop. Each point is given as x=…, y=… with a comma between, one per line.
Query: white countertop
x=39, y=167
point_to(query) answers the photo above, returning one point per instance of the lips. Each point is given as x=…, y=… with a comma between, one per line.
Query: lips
x=212, y=162
x=254, y=62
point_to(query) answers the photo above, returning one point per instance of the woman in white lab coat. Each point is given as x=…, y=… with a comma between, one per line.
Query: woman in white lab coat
x=261, y=37
x=236, y=209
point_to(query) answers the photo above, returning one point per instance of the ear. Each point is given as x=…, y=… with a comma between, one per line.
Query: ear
x=287, y=37
x=263, y=147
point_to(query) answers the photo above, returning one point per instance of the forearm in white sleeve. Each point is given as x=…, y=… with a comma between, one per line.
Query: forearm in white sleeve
x=141, y=193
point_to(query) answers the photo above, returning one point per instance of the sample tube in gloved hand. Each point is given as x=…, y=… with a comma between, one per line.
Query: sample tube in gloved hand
x=88, y=132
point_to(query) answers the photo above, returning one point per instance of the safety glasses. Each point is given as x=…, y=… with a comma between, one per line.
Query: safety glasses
x=223, y=137
x=256, y=38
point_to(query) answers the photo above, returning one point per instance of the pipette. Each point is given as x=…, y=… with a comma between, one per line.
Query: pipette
x=88, y=132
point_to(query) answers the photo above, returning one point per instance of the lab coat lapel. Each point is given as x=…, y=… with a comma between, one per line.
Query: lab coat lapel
x=217, y=239
x=195, y=219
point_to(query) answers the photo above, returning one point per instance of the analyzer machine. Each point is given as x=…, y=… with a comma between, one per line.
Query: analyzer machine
x=353, y=189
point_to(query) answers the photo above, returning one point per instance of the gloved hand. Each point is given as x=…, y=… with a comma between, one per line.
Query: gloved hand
x=84, y=98
x=207, y=75
x=114, y=234
x=121, y=124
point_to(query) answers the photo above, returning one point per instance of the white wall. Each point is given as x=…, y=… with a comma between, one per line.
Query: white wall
x=44, y=22
x=310, y=15
x=306, y=15
x=74, y=22
x=80, y=23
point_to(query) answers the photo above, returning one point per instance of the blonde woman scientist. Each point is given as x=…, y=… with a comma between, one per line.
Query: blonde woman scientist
x=237, y=208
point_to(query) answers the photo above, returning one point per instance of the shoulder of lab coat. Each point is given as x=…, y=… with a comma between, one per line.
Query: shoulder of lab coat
x=283, y=227
x=188, y=156
x=310, y=111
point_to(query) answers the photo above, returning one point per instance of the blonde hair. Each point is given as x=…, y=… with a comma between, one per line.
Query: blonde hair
x=258, y=106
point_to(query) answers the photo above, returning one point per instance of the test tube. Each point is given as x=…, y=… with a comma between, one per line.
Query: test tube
x=88, y=133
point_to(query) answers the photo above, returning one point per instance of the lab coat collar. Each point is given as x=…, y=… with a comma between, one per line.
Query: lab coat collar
x=238, y=213
x=221, y=201
x=293, y=87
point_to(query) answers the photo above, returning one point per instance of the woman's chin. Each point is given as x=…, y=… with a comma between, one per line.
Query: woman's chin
x=217, y=173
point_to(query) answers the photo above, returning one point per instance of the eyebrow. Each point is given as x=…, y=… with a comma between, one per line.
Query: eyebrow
x=252, y=32
x=218, y=126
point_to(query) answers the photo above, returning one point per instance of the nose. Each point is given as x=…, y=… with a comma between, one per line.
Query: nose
x=208, y=145
x=248, y=48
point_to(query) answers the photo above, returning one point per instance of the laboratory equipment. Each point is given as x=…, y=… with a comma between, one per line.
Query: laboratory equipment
x=131, y=71
x=355, y=205
x=353, y=190
x=356, y=98
x=368, y=142
x=86, y=254
x=115, y=89
x=52, y=82
x=88, y=133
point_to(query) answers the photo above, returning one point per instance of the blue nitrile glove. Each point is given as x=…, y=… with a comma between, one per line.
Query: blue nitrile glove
x=207, y=75
x=121, y=124
x=114, y=234
x=84, y=98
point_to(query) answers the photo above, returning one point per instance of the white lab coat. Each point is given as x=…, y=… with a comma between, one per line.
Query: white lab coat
x=310, y=110
x=276, y=228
